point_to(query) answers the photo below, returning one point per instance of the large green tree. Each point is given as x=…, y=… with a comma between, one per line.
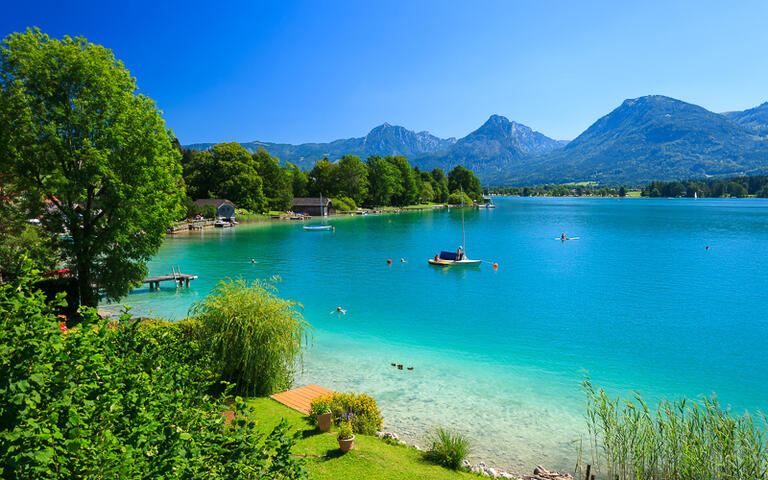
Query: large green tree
x=277, y=186
x=440, y=185
x=226, y=171
x=384, y=180
x=322, y=179
x=74, y=132
x=298, y=179
x=462, y=178
x=352, y=178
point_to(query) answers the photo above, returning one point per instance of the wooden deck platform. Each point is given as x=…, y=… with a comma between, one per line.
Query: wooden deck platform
x=300, y=398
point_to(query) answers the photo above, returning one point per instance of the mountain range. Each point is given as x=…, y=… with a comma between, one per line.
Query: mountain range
x=647, y=138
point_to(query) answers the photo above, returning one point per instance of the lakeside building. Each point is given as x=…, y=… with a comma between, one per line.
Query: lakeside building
x=225, y=210
x=312, y=206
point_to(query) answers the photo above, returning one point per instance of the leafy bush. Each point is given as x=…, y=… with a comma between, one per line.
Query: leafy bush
x=447, y=448
x=366, y=413
x=118, y=400
x=455, y=199
x=677, y=440
x=254, y=337
x=344, y=204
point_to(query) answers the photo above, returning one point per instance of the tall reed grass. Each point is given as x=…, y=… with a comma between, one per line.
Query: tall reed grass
x=447, y=448
x=254, y=336
x=679, y=439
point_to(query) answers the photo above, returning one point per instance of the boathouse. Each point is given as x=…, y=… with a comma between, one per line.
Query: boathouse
x=225, y=210
x=312, y=206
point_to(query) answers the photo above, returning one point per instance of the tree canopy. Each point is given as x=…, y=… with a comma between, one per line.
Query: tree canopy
x=96, y=157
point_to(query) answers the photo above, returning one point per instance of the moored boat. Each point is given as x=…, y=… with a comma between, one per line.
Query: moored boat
x=448, y=259
x=458, y=258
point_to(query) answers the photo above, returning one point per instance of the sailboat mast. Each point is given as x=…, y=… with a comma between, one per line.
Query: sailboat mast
x=463, y=240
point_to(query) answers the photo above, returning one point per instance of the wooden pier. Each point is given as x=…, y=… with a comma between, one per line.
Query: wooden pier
x=181, y=279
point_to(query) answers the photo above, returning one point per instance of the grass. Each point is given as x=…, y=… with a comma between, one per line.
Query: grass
x=676, y=440
x=371, y=458
x=447, y=448
x=251, y=217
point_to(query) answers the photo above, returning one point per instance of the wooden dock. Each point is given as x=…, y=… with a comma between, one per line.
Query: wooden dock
x=178, y=277
x=300, y=398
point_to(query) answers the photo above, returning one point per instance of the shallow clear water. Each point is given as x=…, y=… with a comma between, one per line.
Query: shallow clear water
x=637, y=301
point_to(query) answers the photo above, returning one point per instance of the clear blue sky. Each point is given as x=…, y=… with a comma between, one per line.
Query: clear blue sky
x=317, y=71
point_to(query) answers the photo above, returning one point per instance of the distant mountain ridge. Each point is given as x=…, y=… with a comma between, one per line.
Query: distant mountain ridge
x=383, y=140
x=650, y=138
x=647, y=138
x=755, y=119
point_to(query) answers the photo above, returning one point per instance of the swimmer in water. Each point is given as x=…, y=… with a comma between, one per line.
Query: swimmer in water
x=253, y=260
x=403, y=260
x=563, y=237
x=339, y=310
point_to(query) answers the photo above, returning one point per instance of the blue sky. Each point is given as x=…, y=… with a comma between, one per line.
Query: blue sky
x=317, y=71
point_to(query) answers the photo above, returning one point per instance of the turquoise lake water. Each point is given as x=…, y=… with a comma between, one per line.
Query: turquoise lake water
x=637, y=301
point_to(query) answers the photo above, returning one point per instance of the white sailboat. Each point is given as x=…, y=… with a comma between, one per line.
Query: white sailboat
x=459, y=258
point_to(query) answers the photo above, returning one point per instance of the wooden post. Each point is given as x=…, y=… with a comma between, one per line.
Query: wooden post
x=151, y=287
x=187, y=282
x=589, y=467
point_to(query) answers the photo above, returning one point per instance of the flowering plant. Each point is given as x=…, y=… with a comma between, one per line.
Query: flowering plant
x=346, y=421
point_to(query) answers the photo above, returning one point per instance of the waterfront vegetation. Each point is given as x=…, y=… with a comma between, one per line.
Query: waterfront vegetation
x=755, y=186
x=675, y=440
x=447, y=448
x=366, y=413
x=583, y=189
x=253, y=336
x=124, y=399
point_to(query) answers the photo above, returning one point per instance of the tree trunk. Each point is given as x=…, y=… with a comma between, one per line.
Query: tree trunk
x=88, y=297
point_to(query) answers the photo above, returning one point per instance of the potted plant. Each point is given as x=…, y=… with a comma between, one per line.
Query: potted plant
x=324, y=421
x=345, y=437
x=321, y=411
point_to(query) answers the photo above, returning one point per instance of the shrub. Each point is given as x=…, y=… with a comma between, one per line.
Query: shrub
x=344, y=204
x=366, y=413
x=455, y=199
x=447, y=448
x=254, y=337
x=118, y=400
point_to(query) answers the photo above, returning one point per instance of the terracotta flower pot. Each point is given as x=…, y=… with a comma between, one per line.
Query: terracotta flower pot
x=346, y=444
x=324, y=422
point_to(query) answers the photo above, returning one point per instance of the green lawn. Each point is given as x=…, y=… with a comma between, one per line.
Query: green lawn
x=371, y=458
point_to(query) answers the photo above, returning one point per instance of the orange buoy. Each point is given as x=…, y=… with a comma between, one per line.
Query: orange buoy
x=389, y=260
x=495, y=265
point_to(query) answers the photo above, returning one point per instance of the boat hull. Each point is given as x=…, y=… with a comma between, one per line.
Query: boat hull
x=318, y=228
x=455, y=263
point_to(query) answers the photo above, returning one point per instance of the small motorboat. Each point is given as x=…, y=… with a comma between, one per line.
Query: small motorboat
x=318, y=228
